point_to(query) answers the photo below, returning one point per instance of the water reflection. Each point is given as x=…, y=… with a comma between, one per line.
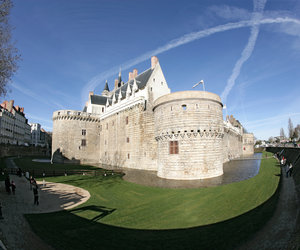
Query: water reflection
x=236, y=170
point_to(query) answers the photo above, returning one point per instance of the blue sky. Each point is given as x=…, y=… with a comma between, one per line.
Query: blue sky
x=248, y=52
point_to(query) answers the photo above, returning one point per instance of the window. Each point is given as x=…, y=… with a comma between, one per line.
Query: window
x=83, y=132
x=162, y=83
x=58, y=113
x=153, y=79
x=128, y=156
x=83, y=142
x=126, y=120
x=102, y=110
x=127, y=139
x=183, y=107
x=68, y=113
x=106, y=125
x=173, y=147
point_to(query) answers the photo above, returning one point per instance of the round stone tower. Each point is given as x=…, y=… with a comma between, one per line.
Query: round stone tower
x=189, y=131
x=75, y=137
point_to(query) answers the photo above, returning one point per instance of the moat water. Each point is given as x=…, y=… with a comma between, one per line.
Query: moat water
x=234, y=171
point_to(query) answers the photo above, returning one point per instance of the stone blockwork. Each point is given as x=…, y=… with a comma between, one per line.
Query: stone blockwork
x=140, y=125
x=248, y=142
x=193, y=119
x=75, y=136
x=127, y=139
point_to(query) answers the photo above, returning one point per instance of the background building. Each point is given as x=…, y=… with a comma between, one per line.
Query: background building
x=14, y=127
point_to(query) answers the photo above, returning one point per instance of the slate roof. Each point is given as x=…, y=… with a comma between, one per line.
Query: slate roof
x=106, y=86
x=141, y=81
x=98, y=99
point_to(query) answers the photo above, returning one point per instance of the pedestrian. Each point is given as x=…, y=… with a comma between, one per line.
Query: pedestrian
x=1, y=216
x=31, y=181
x=290, y=169
x=35, y=193
x=13, y=187
x=7, y=184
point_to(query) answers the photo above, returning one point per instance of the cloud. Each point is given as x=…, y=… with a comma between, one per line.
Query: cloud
x=230, y=12
x=33, y=95
x=247, y=52
x=187, y=38
x=270, y=120
x=38, y=119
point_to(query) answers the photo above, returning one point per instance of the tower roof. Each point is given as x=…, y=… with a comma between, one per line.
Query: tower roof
x=106, y=86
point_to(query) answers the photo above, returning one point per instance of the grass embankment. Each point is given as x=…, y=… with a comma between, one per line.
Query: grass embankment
x=115, y=203
x=26, y=163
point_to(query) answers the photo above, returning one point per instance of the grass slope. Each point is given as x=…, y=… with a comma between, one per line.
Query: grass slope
x=115, y=204
x=26, y=163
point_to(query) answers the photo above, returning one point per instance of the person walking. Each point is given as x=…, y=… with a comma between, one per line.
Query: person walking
x=13, y=187
x=35, y=193
x=7, y=184
x=290, y=169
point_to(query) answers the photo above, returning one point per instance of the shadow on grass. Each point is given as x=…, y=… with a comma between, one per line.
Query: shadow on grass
x=65, y=230
x=103, y=211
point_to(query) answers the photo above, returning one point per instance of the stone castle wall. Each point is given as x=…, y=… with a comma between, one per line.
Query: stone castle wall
x=68, y=136
x=194, y=120
x=138, y=134
x=248, y=142
x=127, y=138
x=232, y=142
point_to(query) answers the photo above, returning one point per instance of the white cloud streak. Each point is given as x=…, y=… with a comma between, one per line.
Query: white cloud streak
x=247, y=52
x=187, y=38
x=35, y=96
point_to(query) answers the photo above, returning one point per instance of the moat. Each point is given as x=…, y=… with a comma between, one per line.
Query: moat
x=234, y=171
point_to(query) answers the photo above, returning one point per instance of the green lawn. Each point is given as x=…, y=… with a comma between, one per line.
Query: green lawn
x=123, y=215
x=26, y=163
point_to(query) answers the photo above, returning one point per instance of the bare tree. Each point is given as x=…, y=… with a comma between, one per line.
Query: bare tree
x=282, y=134
x=8, y=53
x=290, y=128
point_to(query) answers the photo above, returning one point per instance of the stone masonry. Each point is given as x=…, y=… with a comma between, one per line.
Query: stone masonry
x=141, y=125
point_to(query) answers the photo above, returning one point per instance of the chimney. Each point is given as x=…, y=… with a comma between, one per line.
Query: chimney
x=22, y=110
x=130, y=76
x=135, y=73
x=17, y=108
x=90, y=94
x=10, y=105
x=154, y=61
x=116, y=83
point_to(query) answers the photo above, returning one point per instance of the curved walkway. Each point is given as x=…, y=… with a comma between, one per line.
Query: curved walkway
x=278, y=231
x=14, y=229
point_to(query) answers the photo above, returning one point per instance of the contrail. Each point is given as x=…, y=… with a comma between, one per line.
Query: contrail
x=247, y=52
x=187, y=38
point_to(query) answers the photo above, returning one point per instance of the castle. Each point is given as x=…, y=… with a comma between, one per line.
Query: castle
x=140, y=124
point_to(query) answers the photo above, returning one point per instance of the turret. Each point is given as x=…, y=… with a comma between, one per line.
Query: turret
x=105, y=91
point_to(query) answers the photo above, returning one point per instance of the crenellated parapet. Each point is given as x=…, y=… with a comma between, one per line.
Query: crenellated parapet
x=189, y=131
x=75, y=115
x=187, y=134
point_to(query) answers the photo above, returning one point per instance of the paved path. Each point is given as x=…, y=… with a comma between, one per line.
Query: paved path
x=15, y=232
x=278, y=231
